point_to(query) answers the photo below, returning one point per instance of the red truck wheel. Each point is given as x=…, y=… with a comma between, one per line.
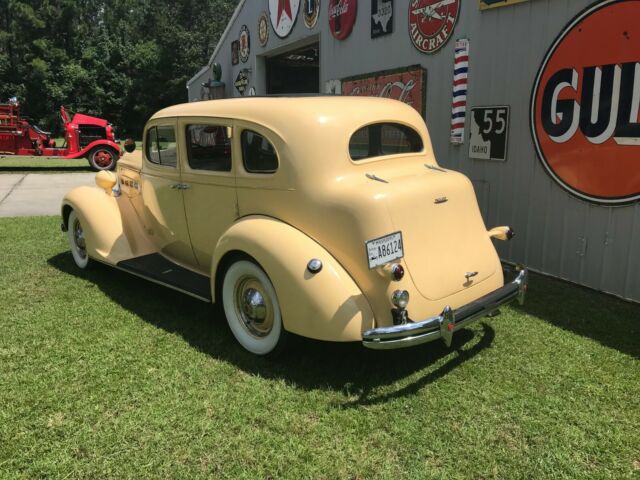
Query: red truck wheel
x=103, y=158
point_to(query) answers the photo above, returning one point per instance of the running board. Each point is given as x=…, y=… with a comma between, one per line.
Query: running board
x=156, y=268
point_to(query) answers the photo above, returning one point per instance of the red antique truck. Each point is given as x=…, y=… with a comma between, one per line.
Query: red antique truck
x=84, y=137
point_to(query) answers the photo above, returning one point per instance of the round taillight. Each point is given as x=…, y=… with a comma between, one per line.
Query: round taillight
x=397, y=272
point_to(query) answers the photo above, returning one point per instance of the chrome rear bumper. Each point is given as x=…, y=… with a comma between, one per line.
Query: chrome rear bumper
x=444, y=325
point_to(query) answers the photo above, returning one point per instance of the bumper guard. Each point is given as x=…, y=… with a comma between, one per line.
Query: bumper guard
x=449, y=321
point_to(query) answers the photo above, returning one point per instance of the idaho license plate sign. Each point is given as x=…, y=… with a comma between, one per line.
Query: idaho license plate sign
x=384, y=249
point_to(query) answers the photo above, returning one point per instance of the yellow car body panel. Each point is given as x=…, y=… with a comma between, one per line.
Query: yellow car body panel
x=112, y=230
x=318, y=203
x=327, y=305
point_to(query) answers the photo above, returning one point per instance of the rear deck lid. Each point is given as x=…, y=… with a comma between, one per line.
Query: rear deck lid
x=446, y=245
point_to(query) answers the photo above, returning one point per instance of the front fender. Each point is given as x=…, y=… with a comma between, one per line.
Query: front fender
x=112, y=230
x=325, y=306
x=85, y=151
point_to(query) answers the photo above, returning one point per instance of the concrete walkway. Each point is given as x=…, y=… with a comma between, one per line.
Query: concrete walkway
x=28, y=194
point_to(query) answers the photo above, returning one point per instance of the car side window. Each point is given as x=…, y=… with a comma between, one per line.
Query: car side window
x=153, y=155
x=258, y=154
x=161, y=146
x=208, y=148
x=384, y=139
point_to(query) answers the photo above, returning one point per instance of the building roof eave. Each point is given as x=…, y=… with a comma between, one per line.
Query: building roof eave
x=220, y=42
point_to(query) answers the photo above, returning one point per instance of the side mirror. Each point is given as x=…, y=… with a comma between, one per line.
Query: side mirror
x=129, y=145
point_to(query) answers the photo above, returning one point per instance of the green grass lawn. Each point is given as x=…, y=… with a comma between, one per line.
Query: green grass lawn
x=15, y=163
x=103, y=375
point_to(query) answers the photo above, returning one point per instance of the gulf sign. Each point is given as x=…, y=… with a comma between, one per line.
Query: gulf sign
x=585, y=104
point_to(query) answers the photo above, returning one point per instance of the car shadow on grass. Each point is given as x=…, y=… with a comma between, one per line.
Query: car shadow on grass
x=608, y=320
x=348, y=368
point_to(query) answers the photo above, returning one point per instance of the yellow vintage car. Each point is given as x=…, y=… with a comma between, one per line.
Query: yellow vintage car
x=325, y=217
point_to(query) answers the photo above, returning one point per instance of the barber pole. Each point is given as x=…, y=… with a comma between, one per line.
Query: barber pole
x=460, y=81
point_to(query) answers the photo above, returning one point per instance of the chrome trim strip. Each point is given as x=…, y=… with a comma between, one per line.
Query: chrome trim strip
x=373, y=176
x=448, y=322
x=435, y=167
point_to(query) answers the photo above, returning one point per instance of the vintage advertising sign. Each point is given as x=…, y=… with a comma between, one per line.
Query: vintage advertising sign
x=407, y=85
x=235, y=52
x=283, y=15
x=485, y=4
x=333, y=87
x=311, y=11
x=242, y=81
x=245, y=46
x=381, y=18
x=342, y=17
x=460, y=85
x=585, y=104
x=489, y=133
x=431, y=23
x=263, y=29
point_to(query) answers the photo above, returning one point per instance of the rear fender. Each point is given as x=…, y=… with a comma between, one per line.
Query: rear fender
x=112, y=230
x=327, y=305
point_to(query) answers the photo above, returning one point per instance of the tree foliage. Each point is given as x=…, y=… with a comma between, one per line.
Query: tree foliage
x=118, y=59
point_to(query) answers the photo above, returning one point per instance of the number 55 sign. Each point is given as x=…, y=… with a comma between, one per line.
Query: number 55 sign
x=489, y=133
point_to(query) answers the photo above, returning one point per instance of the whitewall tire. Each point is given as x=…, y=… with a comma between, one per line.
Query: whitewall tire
x=77, y=242
x=251, y=307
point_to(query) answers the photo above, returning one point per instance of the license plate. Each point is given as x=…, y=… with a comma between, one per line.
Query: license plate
x=384, y=249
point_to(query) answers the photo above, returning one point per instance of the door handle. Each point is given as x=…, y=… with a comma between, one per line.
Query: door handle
x=180, y=186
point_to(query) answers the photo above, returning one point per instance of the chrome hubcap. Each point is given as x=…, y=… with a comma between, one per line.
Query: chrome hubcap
x=78, y=239
x=254, y=307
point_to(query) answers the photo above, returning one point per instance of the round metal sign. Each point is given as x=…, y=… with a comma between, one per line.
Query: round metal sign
x=431, y=23
x=585, y=104
x=283, y=15
x=245, y=46
x=311, y=10
x=263, y=29
x=342, y=17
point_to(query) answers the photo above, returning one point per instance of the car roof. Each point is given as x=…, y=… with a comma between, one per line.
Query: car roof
x=314, y=128
x=288, y=113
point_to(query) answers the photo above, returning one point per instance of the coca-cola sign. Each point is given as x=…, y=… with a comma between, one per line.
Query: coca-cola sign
x=585, y=105
x=342, y=17
x=407, y=85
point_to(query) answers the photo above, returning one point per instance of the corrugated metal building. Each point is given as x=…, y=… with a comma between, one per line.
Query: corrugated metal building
x=569, y=180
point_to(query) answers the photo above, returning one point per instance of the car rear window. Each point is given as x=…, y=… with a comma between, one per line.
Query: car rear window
x=258, y=154
x=381, y=139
